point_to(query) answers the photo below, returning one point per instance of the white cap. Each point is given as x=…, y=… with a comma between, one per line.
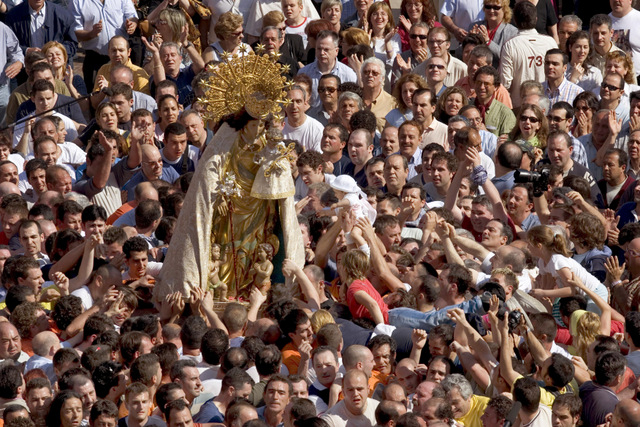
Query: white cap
x=345, y=183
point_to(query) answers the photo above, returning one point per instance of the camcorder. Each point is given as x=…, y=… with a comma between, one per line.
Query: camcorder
x=540, y=180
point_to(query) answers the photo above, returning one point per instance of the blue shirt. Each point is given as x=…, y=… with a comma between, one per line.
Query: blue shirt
x=209, y=413
x=112, y=13
x=169, y=174
x=345, y=73
x=183, y=81
x=11, y=53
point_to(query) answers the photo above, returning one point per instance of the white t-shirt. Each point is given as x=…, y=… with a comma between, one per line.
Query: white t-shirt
x=85, y=295
x=299, y=30
x=70, y=127
x=559, y=262
x=307, y=134
x=339, y=416
x=627, y=36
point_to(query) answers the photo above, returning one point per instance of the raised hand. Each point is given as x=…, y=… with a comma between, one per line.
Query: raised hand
x=151, y=47
x=419, y=338
x=62, y=282
x=615, y=125
x=613, y=268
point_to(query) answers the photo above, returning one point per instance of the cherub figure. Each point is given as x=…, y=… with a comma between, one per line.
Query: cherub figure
x=214, y=276
x=274, y=180
x=262, y=269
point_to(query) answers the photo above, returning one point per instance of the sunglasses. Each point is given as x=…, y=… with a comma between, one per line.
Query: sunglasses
x=555, y=119
x=418, y=36
x=604, y=85
x=438, y=66
x=327, y=89
x=492, y=7
x=584, y=108
x=437, y=42
x=531, y=119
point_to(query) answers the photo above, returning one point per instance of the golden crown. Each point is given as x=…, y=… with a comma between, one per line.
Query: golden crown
x=250, y=81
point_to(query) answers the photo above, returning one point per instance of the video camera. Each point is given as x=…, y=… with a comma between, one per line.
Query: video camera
x=540, y=180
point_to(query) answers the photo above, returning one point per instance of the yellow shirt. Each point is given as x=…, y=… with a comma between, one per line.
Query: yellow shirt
x=546, y=397
x=472, y=418
x=140, y=76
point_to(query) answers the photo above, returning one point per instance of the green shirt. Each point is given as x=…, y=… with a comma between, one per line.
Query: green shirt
x=499, y=119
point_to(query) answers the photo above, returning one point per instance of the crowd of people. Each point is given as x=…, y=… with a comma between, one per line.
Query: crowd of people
x=466, y=188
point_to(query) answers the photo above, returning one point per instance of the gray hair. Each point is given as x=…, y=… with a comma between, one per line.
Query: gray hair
x=269, y=28
x=328, y=33
x=301, y=89
x=459, y=118
x=460, y=382
x=170, y=44
x=571, y=19
x=375, y=61
x=81, y=199
x=352, y=96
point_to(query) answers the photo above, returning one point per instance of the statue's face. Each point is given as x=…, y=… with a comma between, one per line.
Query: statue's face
x=254, y=128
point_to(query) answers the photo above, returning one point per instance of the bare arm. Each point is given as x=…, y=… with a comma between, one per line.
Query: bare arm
x=371, y=305
x=378, y=262
x=23, y=144
x=101, y=175
x=471, y=247
x=256, y=299
x=326, y=243
x=419, y=340
x=290, y=268
x=86, y=265
x=542, y=209
x=158, y=69
x=67, y=261
x=569, y=278
x=506, y=365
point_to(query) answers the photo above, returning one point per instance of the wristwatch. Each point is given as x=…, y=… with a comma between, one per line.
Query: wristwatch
x=188, y=45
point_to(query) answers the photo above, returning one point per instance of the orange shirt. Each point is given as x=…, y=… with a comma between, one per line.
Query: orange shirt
x=291, y=358
x=121, y=211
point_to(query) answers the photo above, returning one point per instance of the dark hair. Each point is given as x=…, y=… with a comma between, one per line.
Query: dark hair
x=525, y=16
x=178, y=405
x=10, y=381
x=174, y=129
x=105, y=408
x=213, y=345
x=609, y=366
x=105, y=376
x=632, y=327
x=236, y=378
x=95, y=355
x=560, y=371
x=96, y=324
x=53, y=417
x=147, y=212
x=268, y=360
x=568, y=305
x=301, y=409
x=502, y=405
x=64, y=356
x=177, y=370
x=290, y=322
x=363, y=119
x=527, y=391
x=70, y=207
x=570, y=401
x=129, y=344
x=135, y=244
x=17, y=294
x=459, y=275
x=163, y=392
x=488, y=70
x=93, y=213
x=167, y=355
x=509, y=155
x=144, y=368
x=234, y=357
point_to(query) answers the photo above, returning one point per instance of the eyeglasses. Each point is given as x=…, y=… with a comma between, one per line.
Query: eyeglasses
x=327, y=89
x=438, y=66
x=555, y=119
x=634, y=142
x=632, y=253
x=418, y=36
x=492, y=7
x=604, y=85
x=531, y=119
x=371, y=72
x=437, y=42
x=236, y=34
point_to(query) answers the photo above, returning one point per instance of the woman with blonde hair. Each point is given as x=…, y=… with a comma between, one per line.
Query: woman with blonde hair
x=495, y=29
x=57, y=56
x=170, y=25
x=621, y=63
x=385, y=40
x=556, y=266
x=403, y=91
x=412, y=12
x=230, y=34
x=449, y=103
x=532, y=126
x=319, y=319
x=352, y=37
x=585, y=326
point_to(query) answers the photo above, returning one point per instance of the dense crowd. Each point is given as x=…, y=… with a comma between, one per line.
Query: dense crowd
x=465, y=179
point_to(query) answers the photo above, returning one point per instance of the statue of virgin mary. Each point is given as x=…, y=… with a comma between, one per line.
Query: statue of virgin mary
x=218, y=207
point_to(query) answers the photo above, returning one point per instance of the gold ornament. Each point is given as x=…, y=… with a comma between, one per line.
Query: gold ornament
x=253, y=82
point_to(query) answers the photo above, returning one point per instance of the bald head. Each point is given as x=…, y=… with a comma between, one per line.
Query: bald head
x=265, y=329
x=8, y=188
x=45, y=344
x=48, y=197
x=394, y=392
x=48, y=227
x=10, y=342
x=355, y=356
x=145, y=191
x=627, y=414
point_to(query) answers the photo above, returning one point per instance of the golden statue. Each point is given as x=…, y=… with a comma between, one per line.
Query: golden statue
x=223, y=206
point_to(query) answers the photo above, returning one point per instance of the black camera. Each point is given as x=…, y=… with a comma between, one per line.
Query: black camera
x=514, y=320
x=540, y=180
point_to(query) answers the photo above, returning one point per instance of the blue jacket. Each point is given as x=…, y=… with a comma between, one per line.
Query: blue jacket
x=58, y=26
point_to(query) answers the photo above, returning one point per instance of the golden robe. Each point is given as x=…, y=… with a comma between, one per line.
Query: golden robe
x=227, y=163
